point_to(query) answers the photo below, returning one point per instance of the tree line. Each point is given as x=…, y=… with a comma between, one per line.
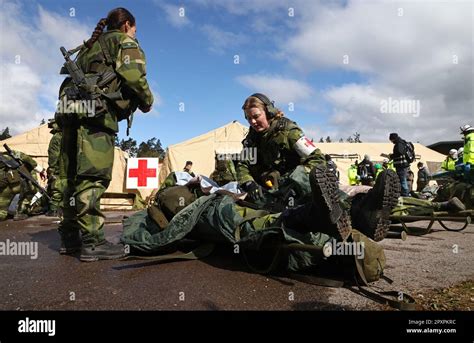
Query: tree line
x=355, y=138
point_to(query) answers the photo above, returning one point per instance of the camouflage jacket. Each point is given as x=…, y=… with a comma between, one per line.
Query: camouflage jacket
x=123, y=55
x=275, y=152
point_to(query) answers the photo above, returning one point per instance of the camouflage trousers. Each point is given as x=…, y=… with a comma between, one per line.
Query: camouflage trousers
x=408, y=206
x=462, y=190
x=56, y=187
x=7, y=192
x=86, y=161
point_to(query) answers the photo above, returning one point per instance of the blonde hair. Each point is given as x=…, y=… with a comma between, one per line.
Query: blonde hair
x=252, y=102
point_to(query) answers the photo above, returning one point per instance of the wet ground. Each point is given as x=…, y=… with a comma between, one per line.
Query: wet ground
x=218, y=282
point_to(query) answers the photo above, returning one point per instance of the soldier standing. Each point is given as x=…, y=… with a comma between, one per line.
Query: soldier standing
x=87, y=146
x=55, y=184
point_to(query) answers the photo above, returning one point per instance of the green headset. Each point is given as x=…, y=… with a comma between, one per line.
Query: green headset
x=270, y=109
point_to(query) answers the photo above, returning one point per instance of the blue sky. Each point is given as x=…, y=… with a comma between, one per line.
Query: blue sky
x=296, y=59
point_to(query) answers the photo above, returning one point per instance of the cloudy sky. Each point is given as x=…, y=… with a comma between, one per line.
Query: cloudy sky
x=336, y=68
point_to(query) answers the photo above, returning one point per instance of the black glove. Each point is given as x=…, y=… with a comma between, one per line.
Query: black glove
x=253, y=190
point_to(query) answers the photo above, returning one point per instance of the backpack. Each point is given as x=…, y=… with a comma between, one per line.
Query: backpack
x=409, y=152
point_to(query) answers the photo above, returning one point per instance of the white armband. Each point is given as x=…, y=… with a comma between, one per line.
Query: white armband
x=304, y=147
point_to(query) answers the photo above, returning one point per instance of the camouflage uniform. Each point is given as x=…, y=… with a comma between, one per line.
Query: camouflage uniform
x=87, y=146
x=55, y=184
x=11, y=183
x=409, y=206
x=277, y=158
x=224, y=172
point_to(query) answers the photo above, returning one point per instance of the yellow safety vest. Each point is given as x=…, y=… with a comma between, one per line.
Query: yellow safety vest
x=352, y=173
x=448, y=164
x=468, y=156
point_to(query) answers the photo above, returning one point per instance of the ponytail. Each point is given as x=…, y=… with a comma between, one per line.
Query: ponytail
x=97, y=32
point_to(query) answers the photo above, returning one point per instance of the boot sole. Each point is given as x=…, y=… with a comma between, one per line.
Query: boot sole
x=324, y=182
x=391, y=194
x=89, y=258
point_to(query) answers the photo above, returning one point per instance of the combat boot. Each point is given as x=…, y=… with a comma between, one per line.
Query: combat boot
x=70, y=243
x=20, y=216
x=102, y=251
x=370, y=212
x=453, y=205
x=329, y=209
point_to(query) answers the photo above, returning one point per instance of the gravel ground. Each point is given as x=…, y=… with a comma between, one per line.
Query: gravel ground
x=219, y=282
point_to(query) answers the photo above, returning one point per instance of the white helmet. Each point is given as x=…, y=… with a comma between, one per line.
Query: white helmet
x=461, y=151
x=466, y=129
x=453, y=153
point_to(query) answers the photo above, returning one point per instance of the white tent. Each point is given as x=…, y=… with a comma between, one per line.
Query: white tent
x=201, y=150
x=344, y=154
x=35, y=143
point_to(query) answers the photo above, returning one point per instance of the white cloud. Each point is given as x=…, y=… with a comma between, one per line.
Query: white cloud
x=280, y=89
x=402, y=57
x=29, y=90
x=29, y=63
x=221, y=40
x=176, y=15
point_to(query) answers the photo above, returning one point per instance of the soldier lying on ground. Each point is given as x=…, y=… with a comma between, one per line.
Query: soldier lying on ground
x=220, y=218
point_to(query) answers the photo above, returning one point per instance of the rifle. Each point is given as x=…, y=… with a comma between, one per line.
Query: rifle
x=86, y=87
x=82, y=87
x=16, y=164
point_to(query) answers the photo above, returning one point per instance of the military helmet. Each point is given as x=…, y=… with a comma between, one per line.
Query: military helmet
x=466, y=129
x=52, y=124
x=270, y=108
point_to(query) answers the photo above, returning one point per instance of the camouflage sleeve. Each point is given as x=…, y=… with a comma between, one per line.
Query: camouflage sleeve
x=242, y=167
x=130, y=65
x=29, y=162
x=314, y=158
x=54, y=149
x=243, y=172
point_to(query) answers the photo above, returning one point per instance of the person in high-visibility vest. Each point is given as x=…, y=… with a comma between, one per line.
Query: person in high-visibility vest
x=378, y=169
x=468, y=151
x=449, y=163
x=352, y=173
x=388, y=164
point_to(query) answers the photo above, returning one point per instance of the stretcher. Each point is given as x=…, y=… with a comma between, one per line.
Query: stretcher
x=458, y=221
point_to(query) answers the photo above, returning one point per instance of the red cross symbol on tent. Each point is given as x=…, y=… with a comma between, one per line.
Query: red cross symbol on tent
x=142, y=172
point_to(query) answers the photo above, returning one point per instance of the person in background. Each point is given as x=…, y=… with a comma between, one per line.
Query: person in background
x=423, y=177
x=187, y=168
x=400, y=161
x=449, y=164
x=366, y=171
